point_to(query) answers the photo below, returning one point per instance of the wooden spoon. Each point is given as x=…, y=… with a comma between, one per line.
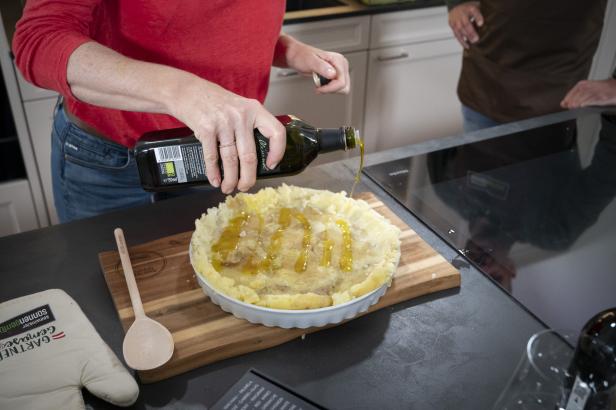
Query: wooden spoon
x=147, y=344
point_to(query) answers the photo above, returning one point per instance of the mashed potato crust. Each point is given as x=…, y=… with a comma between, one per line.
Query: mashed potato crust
x=317, y=232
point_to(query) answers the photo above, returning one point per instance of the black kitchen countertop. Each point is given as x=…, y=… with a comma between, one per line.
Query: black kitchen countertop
x=451, y=350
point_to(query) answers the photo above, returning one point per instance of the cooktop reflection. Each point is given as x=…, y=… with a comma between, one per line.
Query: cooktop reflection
x=526, y=209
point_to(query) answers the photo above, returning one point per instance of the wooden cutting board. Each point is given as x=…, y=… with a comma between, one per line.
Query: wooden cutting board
x=203, y=333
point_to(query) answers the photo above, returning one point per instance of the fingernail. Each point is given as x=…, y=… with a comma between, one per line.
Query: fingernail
x=272, y=166
x=216, y=182
x=331, y=70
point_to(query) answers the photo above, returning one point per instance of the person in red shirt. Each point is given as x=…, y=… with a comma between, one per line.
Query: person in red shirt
x=126, y=67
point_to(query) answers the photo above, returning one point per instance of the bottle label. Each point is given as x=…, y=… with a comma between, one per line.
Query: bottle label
x=178, y=164
x=579, y=395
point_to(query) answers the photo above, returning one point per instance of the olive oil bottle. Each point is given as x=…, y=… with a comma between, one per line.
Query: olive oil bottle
x=173, y=158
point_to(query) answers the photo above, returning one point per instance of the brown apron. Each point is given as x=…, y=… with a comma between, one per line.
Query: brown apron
x=529, y=55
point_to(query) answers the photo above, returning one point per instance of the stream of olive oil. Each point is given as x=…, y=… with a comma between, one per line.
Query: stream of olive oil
x=361, y=166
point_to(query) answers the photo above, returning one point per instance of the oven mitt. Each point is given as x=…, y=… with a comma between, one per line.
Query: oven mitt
x=49, y=350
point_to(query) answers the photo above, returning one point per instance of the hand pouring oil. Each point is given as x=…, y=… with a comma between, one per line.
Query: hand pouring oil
x=173, y=158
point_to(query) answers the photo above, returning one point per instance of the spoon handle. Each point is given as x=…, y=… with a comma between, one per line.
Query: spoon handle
x=128, y=274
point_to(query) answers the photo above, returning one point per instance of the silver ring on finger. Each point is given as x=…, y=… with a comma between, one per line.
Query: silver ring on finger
x=230, y=144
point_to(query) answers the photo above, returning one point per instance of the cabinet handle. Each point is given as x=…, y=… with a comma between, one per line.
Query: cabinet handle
x=287, y=73
x=396, y=57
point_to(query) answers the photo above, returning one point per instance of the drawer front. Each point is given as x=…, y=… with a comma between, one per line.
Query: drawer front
x=341, y=35
x=413, y=26
x=417, y=52
x=31, y=92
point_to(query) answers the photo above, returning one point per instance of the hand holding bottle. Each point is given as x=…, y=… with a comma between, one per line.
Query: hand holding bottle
x=169, y=159
x=224, y=123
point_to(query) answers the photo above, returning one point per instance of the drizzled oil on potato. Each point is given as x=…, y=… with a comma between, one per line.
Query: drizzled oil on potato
x=238, y=229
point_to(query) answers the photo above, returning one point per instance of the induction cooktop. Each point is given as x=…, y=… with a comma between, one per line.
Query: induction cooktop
x=529, y=209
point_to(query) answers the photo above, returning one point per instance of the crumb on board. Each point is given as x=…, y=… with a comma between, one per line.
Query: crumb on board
x=433, y=275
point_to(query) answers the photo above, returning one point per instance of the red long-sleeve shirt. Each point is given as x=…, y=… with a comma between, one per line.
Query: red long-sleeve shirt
x=230, y=43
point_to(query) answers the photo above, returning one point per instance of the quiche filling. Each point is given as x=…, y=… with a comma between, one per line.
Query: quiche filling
x=294, y=248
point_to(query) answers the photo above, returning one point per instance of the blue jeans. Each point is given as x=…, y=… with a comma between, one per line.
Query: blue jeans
x=91, y=175
x=475, y=121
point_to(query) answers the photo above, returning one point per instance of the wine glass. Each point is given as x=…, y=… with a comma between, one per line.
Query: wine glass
x=539, y=380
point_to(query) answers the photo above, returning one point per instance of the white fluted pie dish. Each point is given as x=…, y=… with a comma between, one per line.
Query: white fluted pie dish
x=294, y=257
x=286, y=318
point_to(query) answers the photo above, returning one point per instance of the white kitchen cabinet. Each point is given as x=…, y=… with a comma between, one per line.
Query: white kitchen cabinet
x=39, y=115
x=411, y=94
x=17, y=212
x=291, y=93
x=21, y=201
x=342, y=35
x=412, y=26
x=411, y=88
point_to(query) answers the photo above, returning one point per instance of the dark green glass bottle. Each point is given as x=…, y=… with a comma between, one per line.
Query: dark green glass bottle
x=591, y=378
x=173, y=158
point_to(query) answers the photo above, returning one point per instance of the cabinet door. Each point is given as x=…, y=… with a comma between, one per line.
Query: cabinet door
x=411, y=26
x=343, y=35
x=39, y=115
x=291, y=93
x=16, y=208
x=411, y=94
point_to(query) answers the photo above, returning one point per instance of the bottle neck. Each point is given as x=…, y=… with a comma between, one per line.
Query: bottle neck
x=336, y=139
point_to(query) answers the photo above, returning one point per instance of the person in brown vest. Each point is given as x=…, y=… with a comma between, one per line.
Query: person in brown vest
x=521, y=57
